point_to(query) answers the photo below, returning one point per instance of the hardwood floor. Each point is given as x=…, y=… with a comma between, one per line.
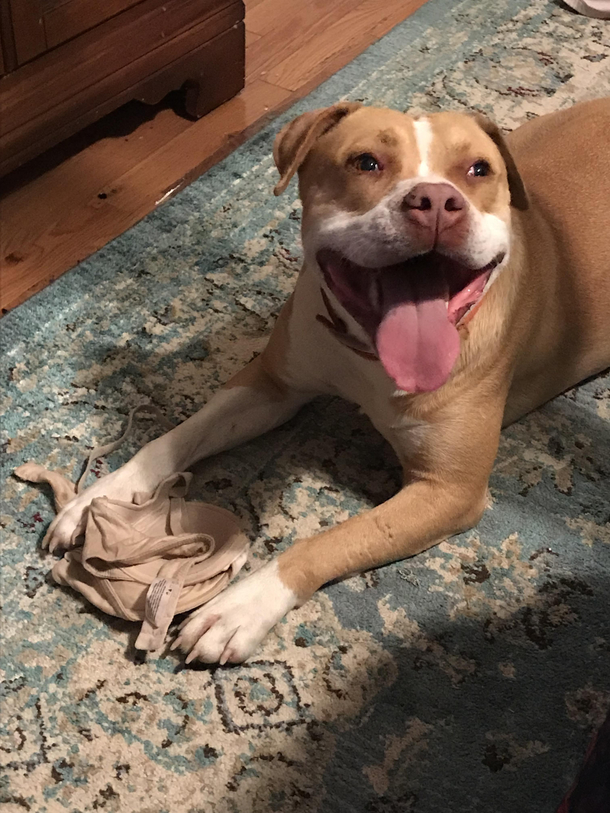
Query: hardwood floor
x=75, y=198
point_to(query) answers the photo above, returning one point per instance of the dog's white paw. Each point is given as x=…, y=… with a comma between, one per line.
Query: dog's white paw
x=69, y=525
x=230, y=627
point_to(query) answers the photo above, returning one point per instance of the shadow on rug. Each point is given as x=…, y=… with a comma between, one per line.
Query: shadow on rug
x=466, y=679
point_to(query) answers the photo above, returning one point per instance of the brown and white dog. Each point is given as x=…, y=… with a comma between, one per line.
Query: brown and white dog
x=442, y=293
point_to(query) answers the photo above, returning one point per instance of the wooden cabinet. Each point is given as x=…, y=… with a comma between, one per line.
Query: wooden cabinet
x=43, y=24
x=28, y=29
x=66, y=63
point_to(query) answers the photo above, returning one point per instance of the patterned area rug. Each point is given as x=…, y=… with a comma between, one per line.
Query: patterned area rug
x=467, y=679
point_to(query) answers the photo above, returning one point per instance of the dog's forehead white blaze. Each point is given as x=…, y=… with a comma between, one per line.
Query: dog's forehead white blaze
x=423, y=139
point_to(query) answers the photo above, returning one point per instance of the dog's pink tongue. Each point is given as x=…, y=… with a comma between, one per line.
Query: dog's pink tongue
x=416, y=342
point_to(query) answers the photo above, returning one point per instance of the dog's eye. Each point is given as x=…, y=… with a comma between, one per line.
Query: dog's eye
x=479, y=169
x=367, y=163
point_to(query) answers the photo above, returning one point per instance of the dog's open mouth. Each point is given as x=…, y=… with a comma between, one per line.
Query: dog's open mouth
x=409, y=310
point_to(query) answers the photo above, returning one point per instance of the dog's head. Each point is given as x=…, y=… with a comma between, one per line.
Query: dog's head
x=408, y=221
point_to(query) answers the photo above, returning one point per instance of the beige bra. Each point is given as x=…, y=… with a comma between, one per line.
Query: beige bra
x=149, y=559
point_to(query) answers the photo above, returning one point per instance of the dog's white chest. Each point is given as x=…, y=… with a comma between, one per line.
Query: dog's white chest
x=316, y=355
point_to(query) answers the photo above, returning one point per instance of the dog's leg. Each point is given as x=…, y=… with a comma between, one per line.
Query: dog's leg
x=447, y=494
x=253, y=402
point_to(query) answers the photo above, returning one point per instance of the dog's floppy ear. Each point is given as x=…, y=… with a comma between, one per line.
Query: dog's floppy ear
x=518, y=194
x=295, y=140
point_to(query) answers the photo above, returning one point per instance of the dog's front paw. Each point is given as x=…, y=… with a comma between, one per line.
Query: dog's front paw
x=230, y=627
x=69, y=525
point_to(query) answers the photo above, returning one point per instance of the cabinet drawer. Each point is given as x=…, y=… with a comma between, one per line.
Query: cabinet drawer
x=37, y=26
x=64, y=19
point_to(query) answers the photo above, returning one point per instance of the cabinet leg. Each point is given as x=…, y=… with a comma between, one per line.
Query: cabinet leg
x=195, y=98
x=207, y=77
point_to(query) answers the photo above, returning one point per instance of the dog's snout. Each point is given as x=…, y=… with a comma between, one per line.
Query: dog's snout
x=435, y=206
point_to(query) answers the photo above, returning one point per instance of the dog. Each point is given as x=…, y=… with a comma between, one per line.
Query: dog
x=453, y=281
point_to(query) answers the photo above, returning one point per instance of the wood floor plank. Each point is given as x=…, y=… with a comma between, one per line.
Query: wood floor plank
x=45, y=224
x=134, y=192
x=251, y=37
x=269, y=15
x=89, y=171
x=365, y=22
x=71, y=201
x=278, y=42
